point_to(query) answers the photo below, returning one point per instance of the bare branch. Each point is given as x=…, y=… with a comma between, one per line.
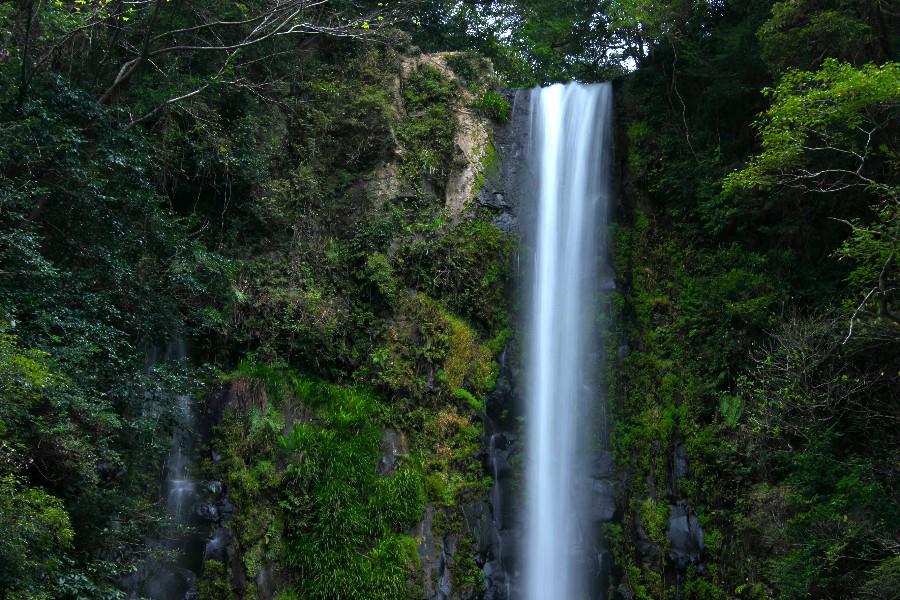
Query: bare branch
x=856, y=312
x=168, y=102
x=276, y=18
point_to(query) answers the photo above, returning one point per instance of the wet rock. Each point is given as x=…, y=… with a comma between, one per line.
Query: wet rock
x=602, y=488
x=217, y=545
x=680, y=462
x=393, y=446
x=207, y=511
x=493, y=199
x=164, y=582
x=499, y=555
x=430, y=552
x=602, y=465
x=685, y=537
x=236, y=575
x=500, y=448
x=110, y=471
x=445, y=586
x=226, y=510
x=602, y=507
x=436, y=555
x=496, y=585
x=500, y=400
x=478, y=520
x=649, y=554
x=265, y=583
x=506, y=222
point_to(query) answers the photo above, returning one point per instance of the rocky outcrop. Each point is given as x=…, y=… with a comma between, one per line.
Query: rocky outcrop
x=472, y=143
x=393, y=447
x=604, y=488
x=490, y=526
x=504, y=185
x=683, y=545
x=685, y=537
x=499, y=556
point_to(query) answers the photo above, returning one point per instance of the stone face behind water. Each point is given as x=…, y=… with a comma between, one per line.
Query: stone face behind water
x=496, y=585
x=602, y=506
x=604, y=489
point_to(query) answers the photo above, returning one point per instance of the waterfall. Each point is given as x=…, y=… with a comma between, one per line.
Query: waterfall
x=567, y=162
x=170, y=571
x=180, y=488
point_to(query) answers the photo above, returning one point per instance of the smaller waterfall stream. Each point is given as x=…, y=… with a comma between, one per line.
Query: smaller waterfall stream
x=498, y=468
x=175, y=577
x=181, y=490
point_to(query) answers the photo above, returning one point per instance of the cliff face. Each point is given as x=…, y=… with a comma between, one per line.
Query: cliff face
x=377, y=486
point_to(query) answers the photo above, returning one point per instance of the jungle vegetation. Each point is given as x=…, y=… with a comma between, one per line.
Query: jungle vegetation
x=203, y=170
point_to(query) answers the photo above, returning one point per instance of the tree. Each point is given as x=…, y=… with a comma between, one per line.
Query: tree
x=540, y=41
x=35, y=542
x=835, y=131
x=801, y=33
x=111, y=41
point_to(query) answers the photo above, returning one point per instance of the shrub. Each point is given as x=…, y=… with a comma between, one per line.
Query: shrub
x=492, y=105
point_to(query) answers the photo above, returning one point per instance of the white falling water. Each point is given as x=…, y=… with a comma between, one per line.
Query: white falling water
x=180, y=489
x=567, y=158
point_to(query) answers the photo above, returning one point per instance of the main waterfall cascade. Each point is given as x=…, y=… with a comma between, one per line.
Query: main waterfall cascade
x=567, y=160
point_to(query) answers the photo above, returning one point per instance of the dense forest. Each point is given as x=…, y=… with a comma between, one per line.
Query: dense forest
x=269, y=224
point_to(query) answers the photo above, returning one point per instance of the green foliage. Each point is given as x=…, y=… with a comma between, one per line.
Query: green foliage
x=832, y=131
x=466, y=396
x=468, y=362
x=737, y=292
x=425, y=343
x=821, y=535
x=261, y=218
x=41, y=408
x=883, y=580
x=38, y=537
x=230, y=200
x=447, y=443
x=529, y=41
x=655, y=520
x=819, y=115
x=214, y=583
x=700, y=588
x=797, y=32
x=492, y=105
x=471, y=67
x=428, y=132
x=731, y=408
x=99, y=272
x=412, y=349
x=381, y=274
x=65, y=438
x=333, y=517
x=467, y=575
x=469, y=266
